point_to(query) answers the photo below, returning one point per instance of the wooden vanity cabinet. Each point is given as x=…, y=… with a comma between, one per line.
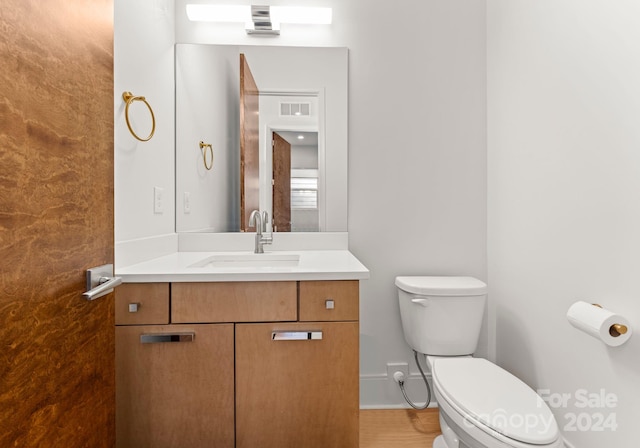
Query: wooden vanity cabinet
x=227, y=358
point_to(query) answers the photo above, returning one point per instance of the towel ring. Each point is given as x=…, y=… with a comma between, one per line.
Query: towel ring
x=204, y=146
x=129, y=98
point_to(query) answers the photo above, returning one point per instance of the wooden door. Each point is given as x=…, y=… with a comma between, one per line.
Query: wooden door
x=281, y=184
x=297, y=393
x=56, y=220
x=183, y=389
x=249, y=146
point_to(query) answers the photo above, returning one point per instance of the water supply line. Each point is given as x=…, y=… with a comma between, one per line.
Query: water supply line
x=399, y=378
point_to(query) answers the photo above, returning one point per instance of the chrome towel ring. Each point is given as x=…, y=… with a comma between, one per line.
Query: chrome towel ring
x=206, y=148
x=129, y=98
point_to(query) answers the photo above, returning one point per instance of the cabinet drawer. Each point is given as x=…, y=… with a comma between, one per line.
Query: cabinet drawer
x=329, y=300
x=233, y=302
x=142, y=303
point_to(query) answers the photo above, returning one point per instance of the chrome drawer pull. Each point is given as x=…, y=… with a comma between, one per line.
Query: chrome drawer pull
x=168, y=337
x=296, y=335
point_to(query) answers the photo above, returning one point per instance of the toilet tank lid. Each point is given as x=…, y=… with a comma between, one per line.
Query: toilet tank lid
x=493, y=397
x=442, y=286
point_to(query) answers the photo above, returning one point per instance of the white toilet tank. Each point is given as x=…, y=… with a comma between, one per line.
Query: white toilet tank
x=442, y=315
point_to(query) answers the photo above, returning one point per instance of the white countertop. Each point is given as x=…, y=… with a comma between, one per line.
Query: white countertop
x=312, y=265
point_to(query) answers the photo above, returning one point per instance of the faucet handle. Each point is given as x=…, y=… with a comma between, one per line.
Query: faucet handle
x=265, y=220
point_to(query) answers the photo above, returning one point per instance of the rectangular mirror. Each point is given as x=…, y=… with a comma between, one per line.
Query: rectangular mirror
x=265, y=128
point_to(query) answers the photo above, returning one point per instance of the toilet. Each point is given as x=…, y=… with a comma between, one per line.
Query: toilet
x=481, y=405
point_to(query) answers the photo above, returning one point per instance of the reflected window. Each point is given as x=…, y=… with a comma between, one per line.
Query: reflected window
x=304, y=189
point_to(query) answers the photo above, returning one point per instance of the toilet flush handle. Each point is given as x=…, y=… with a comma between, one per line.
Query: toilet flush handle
x=422, y=302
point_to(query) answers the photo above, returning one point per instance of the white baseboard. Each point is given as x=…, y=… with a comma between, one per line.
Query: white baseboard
x=377, y=391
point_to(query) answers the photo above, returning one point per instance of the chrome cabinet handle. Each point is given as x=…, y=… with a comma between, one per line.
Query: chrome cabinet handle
x=296, y=335
x=166, y=337
x=100, y=282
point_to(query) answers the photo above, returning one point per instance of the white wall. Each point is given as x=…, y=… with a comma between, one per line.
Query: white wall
x=417, y=160
x=143, y=64
x=564, y=199
x=304, y=157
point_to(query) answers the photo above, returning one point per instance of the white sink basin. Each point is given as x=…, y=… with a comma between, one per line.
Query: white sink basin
x=248, y=260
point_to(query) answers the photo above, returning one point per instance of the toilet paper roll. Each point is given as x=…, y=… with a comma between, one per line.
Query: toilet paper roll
x=599, y=323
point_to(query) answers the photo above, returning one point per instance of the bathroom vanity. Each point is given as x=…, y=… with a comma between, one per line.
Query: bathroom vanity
x=224, y=355
x=213, y=350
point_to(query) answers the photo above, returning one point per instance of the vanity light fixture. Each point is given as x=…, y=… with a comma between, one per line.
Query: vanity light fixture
x=260, y=19
x=300, y=137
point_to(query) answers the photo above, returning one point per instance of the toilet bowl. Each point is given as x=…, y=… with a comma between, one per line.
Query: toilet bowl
x=481, y=405
x=487, y=407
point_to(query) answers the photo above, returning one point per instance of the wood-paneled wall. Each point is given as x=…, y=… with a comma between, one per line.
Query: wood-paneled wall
x=56, y=220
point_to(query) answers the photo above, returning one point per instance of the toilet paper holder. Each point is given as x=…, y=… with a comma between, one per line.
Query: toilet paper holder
x=615, y=330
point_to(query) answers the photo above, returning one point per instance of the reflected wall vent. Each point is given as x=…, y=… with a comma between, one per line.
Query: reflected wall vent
x=295, y=109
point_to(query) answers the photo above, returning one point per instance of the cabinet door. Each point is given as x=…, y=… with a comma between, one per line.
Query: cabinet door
x=174, y=386
x=297, y=393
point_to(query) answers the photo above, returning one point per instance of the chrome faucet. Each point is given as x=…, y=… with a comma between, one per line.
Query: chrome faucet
x=260, y=222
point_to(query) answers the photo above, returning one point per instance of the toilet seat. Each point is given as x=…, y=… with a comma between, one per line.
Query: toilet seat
x=491, y=399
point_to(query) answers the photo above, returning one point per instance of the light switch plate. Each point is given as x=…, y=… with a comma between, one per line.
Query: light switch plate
x=186, y=203
x=158, y=200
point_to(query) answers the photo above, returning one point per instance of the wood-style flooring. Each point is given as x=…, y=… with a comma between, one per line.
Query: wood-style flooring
x=398, y=428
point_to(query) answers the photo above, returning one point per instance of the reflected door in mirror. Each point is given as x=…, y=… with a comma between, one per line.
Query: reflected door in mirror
x=281, y=184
